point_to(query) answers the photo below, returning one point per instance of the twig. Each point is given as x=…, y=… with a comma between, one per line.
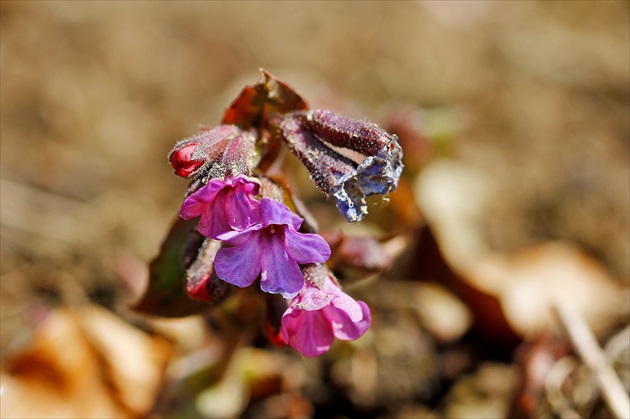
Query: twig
x=587, y=347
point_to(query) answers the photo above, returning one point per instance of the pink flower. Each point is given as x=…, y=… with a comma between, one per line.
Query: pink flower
x=224, y=205
x=272, y=249
x=321, y=313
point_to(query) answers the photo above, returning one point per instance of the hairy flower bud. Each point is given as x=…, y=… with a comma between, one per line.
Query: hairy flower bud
x=202, y=283
x=324, y=164
x=308, y=132
x=365, y=137
x=218, y=152
x=238, y=158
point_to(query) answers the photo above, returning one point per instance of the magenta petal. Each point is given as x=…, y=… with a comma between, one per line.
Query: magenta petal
x=191, y=208
x=195, y=204
x=343, y=327
x=250, y=186
x=273, y=212
x=306, y=247
x=241, y=209
x=307, y=332
x=239, y=265
x=279, y=274
x=345, y=303
x=224, y=205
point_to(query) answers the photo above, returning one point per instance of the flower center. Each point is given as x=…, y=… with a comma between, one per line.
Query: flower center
x=273, y=229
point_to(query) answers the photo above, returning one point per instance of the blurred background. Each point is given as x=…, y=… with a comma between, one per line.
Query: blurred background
x=514, y=118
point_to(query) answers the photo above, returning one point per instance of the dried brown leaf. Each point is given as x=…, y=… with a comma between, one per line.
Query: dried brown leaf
x=84, y=363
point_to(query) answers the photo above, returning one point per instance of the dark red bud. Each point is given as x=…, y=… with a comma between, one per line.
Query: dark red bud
x=202, y=283
x=182, y=161
x=365, y=137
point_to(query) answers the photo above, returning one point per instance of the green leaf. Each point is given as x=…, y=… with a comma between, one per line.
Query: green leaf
x=166, y=295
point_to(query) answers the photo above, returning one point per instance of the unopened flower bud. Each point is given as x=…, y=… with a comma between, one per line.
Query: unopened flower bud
x=196, y=154
x=324, y=164
x=239, y=157
x=182, y=161
x=202, y=283
x=308, y=132
x=365, y=137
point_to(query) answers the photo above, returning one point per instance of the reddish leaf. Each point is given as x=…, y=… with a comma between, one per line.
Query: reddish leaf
x=245, y=111
x=255, y=103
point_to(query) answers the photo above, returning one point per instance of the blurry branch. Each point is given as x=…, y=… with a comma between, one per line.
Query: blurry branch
x=586, y=346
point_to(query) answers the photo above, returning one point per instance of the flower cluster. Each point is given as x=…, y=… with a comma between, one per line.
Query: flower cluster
x=261, y=240
x=253, y=228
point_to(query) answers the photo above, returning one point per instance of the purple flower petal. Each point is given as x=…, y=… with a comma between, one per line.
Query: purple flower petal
x=306, y=247
x=235, y=237
x=239, y=265
x=273, y=212
x=271, y=247
x=279, y=274
x=240, y=208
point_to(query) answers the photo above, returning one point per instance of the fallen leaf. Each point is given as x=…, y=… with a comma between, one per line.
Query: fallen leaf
x=509, y=293
x=84, y=363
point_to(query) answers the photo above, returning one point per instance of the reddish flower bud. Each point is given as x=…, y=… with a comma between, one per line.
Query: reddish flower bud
x=239, y=157
x=202, y=283
x=182, y=160
x=194, y=155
